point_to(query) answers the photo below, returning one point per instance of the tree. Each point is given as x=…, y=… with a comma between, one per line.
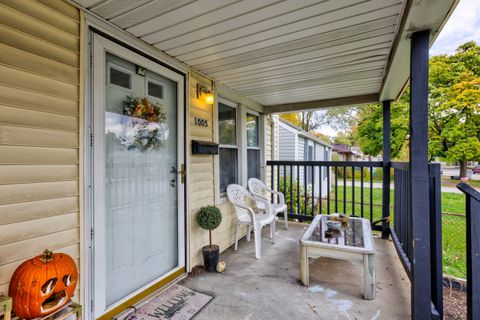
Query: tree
x=311, y=120
x=454, y=99
x=291, y=117
x=462, y=133
x=370, y=127
x=453, y=107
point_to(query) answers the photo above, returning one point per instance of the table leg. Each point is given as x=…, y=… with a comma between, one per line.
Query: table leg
x=304, y=272
x=368, y=276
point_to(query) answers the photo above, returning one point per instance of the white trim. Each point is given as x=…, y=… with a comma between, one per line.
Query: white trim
x=100, y=46
x=112, y=65
x=221, y=197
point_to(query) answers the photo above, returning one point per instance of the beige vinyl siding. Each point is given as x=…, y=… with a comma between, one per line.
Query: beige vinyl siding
x=39, y=131
x=201, y=188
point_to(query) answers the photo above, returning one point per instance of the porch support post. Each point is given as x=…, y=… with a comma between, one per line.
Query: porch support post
x=386, y=169
x=419, y=177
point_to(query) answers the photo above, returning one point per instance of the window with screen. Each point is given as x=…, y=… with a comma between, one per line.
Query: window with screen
x=228, y=150
x=253, y=147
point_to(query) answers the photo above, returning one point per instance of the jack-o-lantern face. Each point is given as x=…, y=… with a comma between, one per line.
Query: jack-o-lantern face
x=43, y=284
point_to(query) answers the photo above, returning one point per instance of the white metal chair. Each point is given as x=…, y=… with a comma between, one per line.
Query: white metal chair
x=260, y=190
x=250, y=216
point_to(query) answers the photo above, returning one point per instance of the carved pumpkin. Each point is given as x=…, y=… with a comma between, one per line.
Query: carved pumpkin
x=43, y=284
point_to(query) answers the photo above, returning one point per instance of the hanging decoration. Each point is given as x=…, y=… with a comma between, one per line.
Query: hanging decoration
x=146, y=124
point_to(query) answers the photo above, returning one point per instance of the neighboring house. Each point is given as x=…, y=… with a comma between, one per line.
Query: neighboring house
x=345, y=152
x=295, y=144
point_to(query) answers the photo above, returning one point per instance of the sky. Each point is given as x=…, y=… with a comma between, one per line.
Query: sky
x=463, y=26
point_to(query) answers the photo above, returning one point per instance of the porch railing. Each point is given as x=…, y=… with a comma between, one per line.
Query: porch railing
x=314, y=187
x=472, y=212
x=350, y=188
x=402, y=232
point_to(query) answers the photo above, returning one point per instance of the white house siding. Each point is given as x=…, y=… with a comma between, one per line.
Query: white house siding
x=320, y=156
x=39, y=132
x=287, y=141
x=300, y=157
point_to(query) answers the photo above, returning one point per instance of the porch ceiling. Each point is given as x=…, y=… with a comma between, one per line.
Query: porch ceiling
x=289, y=55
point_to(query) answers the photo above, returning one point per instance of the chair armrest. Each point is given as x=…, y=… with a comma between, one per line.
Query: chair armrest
x=266, y=202
x=250, y=211
x=281, y=197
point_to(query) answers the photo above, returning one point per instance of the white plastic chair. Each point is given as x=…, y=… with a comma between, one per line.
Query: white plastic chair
x=260, y=190
x=251, y=217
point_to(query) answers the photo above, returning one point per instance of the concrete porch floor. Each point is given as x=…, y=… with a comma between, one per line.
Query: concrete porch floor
x=269, y=288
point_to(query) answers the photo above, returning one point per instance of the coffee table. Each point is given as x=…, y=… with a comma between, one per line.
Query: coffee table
x=354, y=242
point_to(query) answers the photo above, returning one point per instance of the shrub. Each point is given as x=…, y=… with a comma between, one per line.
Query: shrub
x=209, y=218
x=296, y=202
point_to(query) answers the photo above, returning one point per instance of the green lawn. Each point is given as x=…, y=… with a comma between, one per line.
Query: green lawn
x=453, y=226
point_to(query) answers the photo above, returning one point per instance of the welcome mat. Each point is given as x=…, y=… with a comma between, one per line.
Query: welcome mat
x=175, y=303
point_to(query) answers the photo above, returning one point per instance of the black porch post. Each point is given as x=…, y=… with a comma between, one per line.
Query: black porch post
x=419, y=176
x=386, y=169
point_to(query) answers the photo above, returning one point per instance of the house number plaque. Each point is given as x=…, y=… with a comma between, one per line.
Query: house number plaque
x=201, y=122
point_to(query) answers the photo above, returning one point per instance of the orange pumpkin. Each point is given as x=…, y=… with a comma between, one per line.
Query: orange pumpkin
x=43, y=284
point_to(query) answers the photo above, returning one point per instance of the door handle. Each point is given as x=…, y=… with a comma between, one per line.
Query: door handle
x=182, y=172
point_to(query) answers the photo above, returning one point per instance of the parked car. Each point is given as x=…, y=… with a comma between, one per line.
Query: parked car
x=476, y=170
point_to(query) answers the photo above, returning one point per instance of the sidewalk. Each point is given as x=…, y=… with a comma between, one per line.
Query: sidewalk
x=378, y=185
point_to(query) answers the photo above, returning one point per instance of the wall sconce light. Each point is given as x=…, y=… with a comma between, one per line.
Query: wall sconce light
x=205, y=94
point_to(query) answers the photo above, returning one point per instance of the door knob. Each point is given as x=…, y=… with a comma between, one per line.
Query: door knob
x=182, y=172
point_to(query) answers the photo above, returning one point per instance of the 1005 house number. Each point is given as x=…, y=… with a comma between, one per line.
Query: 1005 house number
x=201, y=122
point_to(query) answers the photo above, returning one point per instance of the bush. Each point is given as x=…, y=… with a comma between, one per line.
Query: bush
x=348, y=173
x=209, y=218
x=297, y=189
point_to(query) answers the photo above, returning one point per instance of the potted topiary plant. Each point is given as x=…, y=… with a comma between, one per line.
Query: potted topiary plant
x=209, y=218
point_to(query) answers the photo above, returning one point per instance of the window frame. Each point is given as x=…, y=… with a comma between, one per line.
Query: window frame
x=223, y=195
x=241, y=146
x=258, y=147
x=158, y=83
x=112, y=65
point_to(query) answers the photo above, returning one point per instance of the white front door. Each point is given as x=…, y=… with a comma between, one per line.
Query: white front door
x=138, y=207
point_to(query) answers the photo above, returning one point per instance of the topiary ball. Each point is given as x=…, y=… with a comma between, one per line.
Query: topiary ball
x=209, y=217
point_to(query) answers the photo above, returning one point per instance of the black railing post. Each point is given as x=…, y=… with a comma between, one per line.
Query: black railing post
x=436, y=236
x=419, y=177
x=472, y=212
x=386, y=169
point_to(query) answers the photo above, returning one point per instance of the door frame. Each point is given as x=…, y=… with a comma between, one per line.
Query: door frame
x=99, y=44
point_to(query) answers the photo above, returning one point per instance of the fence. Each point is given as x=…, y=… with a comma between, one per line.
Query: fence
x=472, y=212
x=313, y=187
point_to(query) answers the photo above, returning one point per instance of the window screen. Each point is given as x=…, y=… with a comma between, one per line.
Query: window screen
x=253, y=150
x=228, y=151
x=227, y=124
x=228, y=167
x=253, y=163
x=252, y=130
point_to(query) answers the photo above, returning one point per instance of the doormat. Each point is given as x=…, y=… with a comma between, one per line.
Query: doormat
x=175, y=303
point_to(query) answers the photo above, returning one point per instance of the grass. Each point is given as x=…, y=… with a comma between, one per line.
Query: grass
x=447, y=182
x=453, y=222
x=454, y=245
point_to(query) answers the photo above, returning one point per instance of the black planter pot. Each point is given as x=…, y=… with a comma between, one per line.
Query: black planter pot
x=210, y=257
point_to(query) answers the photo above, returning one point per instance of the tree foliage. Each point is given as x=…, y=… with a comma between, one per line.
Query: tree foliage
x=369, y=134
x=453, y=107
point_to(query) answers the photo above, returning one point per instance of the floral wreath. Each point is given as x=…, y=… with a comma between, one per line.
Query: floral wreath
x=148, y=121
